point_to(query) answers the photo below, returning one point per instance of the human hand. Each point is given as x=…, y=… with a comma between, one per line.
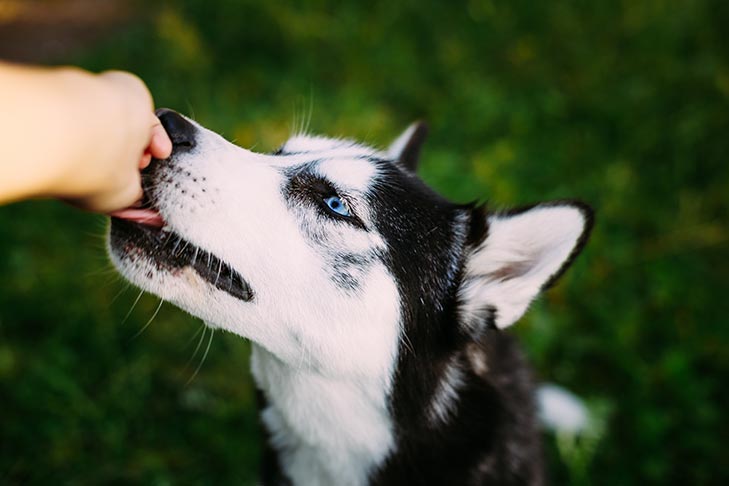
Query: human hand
x=76, y=136
x=125, y=137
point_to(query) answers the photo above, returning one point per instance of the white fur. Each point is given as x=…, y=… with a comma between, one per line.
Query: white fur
x=560, y=410
x=330, y=430
x=517, y=258
x=328, y=147
x=356, y=174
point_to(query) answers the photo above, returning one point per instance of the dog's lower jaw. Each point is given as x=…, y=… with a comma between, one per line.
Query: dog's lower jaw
x=324, y=430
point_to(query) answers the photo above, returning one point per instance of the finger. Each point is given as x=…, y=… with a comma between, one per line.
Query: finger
x=160, y=146
x=145, y=160
x=124, y=198
x=106, y=203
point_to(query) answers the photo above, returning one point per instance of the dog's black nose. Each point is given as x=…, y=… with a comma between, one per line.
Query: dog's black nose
x=180, y=131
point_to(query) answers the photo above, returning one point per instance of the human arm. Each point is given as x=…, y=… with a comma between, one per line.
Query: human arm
x=77, y=136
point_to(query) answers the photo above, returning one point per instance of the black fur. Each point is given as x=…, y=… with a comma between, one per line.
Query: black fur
x=410, y=154
x=493, y=438
x=348, y=268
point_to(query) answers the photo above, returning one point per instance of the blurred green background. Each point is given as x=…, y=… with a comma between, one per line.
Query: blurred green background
x=624, y=104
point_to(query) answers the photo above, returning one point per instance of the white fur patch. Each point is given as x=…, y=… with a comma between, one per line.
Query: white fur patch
x=329, y=147
x=353, y=175
x=445, y=399
x=329, y=430
x=560, y=410
x=517, y=258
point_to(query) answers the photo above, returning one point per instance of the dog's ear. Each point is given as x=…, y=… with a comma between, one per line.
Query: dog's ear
x=515, y=255
x=406, y=148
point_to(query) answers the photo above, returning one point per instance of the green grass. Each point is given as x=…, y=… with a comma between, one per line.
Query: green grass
x=624, y=105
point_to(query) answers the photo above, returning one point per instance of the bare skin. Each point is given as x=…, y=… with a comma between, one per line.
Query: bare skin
x=76, y=136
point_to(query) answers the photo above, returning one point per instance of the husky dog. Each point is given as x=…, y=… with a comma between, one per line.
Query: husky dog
x=376, y=308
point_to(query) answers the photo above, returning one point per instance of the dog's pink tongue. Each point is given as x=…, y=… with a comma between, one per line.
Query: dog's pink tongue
x=143, y=216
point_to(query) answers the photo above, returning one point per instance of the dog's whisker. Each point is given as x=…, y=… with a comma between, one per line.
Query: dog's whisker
x=190, y=109
x=293, y=122
x=132, y=307
x=204, y=329
x=310, y=112
x=408, y=344
x=118, y=294
x=150, y=320
x=182, y=250
x=174, y=250
x=220, y=267
x=205, y=355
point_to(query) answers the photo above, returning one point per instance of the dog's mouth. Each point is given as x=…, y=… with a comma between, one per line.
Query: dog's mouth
x=135, y=231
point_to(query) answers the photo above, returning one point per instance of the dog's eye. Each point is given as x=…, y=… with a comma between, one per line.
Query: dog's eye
x=336, y=204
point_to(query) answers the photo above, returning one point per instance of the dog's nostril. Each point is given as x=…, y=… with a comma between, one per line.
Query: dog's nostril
x=180, y=130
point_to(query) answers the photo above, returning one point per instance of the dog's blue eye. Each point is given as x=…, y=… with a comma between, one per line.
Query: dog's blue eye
x=336, y=204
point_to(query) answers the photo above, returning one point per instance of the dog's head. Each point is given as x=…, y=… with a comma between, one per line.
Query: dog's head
x=327, y=253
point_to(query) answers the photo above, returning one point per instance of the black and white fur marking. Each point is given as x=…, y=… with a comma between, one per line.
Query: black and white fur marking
x=377, y=326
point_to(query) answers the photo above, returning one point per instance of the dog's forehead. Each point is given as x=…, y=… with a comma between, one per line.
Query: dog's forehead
x=350, y=166
x=312, y=144
x=349, y=174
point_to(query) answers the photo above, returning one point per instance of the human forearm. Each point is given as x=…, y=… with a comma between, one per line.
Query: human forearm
x=45, y=122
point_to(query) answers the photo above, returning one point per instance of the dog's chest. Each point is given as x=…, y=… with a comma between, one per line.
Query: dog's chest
x=325, y=431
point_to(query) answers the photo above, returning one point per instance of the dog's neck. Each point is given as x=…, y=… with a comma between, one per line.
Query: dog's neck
x=325, y=430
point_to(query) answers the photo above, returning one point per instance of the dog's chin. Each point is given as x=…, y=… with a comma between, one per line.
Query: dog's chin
x=169, y=253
